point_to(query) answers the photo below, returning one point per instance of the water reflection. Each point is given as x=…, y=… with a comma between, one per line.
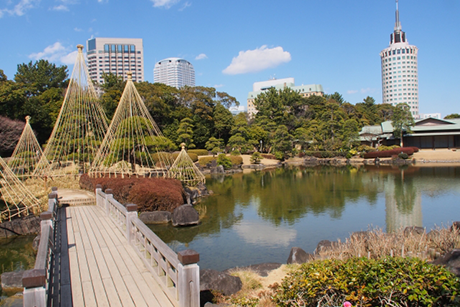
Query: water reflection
x=257, y=217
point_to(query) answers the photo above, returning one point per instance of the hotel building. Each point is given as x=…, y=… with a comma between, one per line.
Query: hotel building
x=280, y=84
x=400, y=70
x=174, y=72
x=116, y=56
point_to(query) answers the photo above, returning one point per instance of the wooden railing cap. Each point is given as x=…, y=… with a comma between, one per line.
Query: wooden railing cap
x=108, y=191
x=52, y=195
x=98, y=186
x=47, y=215
x=34, y=278
x=188, y=256
x=54, y=189
x=131, y=207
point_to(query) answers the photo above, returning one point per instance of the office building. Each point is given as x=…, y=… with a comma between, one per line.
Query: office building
x=174, y=72
x=400, y=70
x=116, y=56
x=280, y=84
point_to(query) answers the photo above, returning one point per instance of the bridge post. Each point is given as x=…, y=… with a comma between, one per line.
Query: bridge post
x=108, y=195
x=189, y=278
x=98, y=198
x=130, y=215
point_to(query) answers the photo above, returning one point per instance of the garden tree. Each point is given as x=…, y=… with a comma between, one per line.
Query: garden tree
x=226, y=100
x=214, y=145
x=277, y=106
x=336, y=96
x=258, y=135
x=10, y=132
x=402, y=121
x=223, y=121
x=3, y=77
x=12, y=99
x=452, y=116
x=113, y=87
x=185, y=132
x=350, y=134
x=240, y=138
x=368, y=114
x=332, y=120
x=302, y=137
x=41, y=76
x=282, y=142
x=385, y=112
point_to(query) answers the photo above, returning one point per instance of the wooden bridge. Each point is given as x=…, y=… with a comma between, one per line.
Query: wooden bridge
x=103, y=255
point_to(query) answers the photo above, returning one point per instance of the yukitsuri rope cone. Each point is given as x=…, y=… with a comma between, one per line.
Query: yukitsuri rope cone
x=185, y=170
x=79, y=129
x=130, y=141
x=16, y=200
x=26, y=154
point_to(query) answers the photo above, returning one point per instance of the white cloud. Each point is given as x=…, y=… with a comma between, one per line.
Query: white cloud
x=77, y=29
x=20, y=8
x=257, y=60
x=201, y=56
x=367, y=90
x=352, y=91
x=186, y=5
x=164, y=3
x=61, y=7
x=56, y=53
x=218, y=85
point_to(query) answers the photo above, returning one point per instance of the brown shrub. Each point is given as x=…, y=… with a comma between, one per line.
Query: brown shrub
x=149, y=194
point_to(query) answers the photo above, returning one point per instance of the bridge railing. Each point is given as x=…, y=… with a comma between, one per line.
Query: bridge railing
x=177, y=274
x=35, y=281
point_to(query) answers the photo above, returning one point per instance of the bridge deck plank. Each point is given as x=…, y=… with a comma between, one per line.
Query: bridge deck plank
x=105, y=269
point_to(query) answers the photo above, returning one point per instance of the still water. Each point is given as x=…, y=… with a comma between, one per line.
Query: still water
x=257, y=217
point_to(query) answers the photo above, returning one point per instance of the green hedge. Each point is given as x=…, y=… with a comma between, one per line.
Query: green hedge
x=236, y=160
x=198, y=152
x=370, y=282
x=205, y=160
x=326, y=154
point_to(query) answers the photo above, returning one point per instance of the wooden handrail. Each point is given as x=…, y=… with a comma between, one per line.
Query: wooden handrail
x=177, y=274
x=35, y=281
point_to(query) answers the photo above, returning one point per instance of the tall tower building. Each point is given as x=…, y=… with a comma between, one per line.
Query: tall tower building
x=400, y=70
x=116, y=56
x=174, y=72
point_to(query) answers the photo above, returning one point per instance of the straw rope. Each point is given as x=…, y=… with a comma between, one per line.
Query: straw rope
x=79, y=129
x=17, y=199
x=130, y=142
x=185, y=170
x=27, y=153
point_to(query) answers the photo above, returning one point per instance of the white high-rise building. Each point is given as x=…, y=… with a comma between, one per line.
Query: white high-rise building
x=174, y=72
x=400, y=70
x=116, y=56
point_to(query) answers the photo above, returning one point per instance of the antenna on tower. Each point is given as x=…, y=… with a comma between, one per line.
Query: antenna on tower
x=397, y=24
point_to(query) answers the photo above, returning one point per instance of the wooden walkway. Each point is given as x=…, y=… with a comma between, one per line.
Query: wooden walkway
x=105, y=270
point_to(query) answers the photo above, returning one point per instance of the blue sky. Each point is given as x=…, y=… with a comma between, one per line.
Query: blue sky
x=232, y=44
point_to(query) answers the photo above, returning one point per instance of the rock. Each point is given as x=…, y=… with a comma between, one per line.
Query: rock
x=23, y=226
x=219, y=281
x=451, y=260
x=155, y=217
x=13, y=301
x=413, y=230
x=298, y=255
x=220, y=169
x=12, y=281
x=185, y=215
x=324, y=245
x=35, y=243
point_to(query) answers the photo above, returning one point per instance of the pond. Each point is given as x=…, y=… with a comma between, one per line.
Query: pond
x=257, y=217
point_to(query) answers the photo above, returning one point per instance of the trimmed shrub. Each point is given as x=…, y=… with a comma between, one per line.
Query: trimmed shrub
x=256, y=157
x=225, y=161
x=162, y=156
x=149, y=194
x=235, y=153
x=192, y=156
x=370, y=282
x=236, y=160
x=268, y=156
x=205, y=160
x=389, y=153
x=198, y=152
x=403, y=155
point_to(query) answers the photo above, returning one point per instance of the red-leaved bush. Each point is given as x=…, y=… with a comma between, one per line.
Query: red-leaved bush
x=149, y=194
x=389, y=153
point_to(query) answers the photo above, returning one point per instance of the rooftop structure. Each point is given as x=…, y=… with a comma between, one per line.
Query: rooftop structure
x=400, y=70
x=174, y=72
